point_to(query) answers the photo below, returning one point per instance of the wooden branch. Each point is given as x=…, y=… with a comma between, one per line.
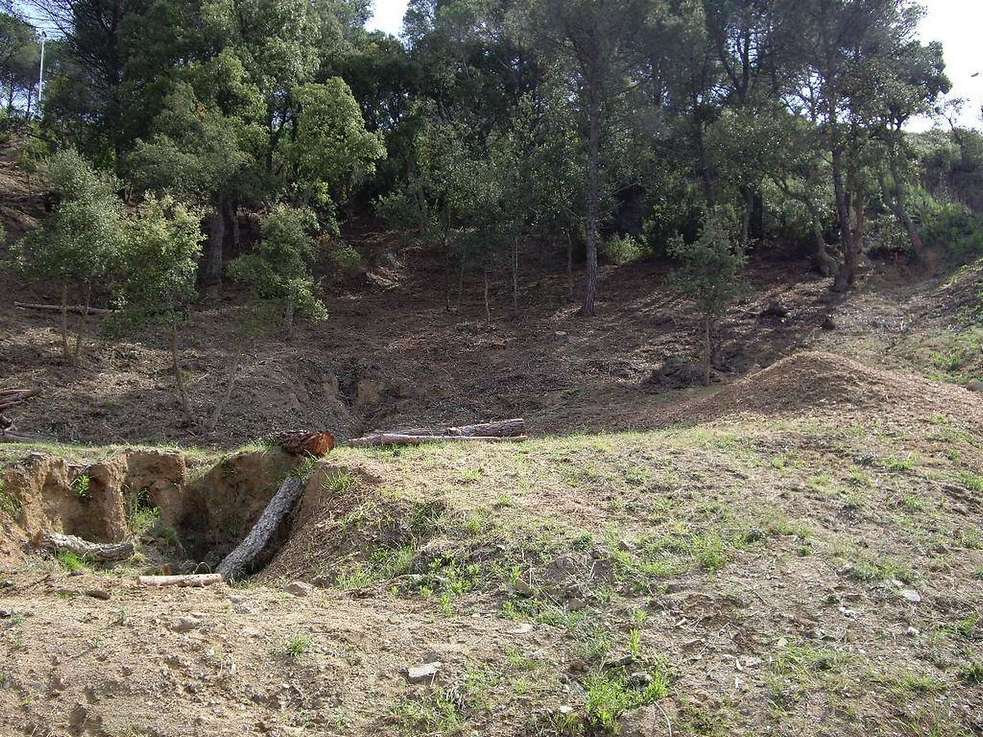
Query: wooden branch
x=74, y=309
x=191, y=581
x=239, y=561
x=382, y=439
x=58, y=543
x=503, y=429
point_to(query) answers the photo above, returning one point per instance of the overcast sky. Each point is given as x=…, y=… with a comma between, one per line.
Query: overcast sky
x=958, y=24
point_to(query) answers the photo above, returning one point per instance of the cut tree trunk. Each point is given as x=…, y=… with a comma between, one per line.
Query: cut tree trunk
x=73, y=309
x=58, y=543
x=191, y=581
x=316, y=444
x=383, y=439
x=503, y=429
x=240, y=561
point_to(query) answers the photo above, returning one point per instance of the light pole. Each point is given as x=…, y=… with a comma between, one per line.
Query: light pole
x=44, y=37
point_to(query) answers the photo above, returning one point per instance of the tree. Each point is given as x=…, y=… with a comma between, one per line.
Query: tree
x=19, y=52
x=601, y=41
x=78, y=246
x=280, y=267
x=710, y=272
x=159, y=261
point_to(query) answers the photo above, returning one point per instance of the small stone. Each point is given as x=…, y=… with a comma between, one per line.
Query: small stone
x=300, y=589
x=523, y=629
x=185, y=624
x=911, y=595
x=423, y=673
x=975, y=386
x=912, y=632
x=75, y=574
x=640, y=680
x=623, y=662
x=6, y=613
x=100, y=594
x=576, y=605
x=7, y=584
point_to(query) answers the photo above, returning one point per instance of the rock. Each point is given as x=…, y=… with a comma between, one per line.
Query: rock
x=523, y=629
x=912, y=632
x=829, y=323
x=300, y=589
x=911, y=595
x=6, y=613
x=623, y=662
x=640, y=680
x=100, y=594
x=423, y=673
x=975, y=386
x=185, y=624
x=8, y=584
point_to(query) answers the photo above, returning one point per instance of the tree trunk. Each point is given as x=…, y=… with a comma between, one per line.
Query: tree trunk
x=570, y=284
x=707, y=351
x=241, y=561
x=460, y=284
x=502, y=429
x=384, y=439
x=593, y=198
x=83, y=322
x=211, y=271
x=515, y=275
x=64, y=322
x=179, y=378
x=288, y=318
x=825, y=264
x=96, y=551
x=845, y=276
x=897, y=200
x=199, y=580
x=487, y=301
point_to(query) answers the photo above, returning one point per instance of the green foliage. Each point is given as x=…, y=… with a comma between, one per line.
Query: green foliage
x=81, y=486
x=954, y=229
x=280, y=267
x=609, y=696
x=71, y=562
x=9, y=504
x=160, y=259
x=624, y=249
x=345, y=258
x=298, y=645
x=80, y=243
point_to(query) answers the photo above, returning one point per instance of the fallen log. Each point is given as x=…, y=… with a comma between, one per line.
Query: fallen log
x=240, y=561
x=74, y=309
x=503, y=429
x=383, y=439
x=58, y=543
x=191, y=581
x=12, y=397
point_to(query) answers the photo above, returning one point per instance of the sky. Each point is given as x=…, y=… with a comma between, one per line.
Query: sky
x=956, y=23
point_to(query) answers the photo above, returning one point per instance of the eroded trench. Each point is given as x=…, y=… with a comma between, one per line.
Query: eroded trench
x=185, y=519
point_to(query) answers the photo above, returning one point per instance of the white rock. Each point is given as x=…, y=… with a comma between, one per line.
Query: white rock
x=911, y=595
x=423, y=673
x=300, y=589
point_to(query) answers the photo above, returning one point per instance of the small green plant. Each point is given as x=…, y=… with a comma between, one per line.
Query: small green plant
x=71, y=562
x=972, y=481
x=635, y=643
x=81, y=486
x=9, y=504
x=972, y=673
x=710, y=552
x=434, y=714
x=610, y=696
x=142, y=515
x=899, y=464
x=338, y=482
x=298, y=645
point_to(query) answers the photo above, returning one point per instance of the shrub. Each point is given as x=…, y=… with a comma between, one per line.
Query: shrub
x=346, y=259
x=954, y=229
x=624, y=249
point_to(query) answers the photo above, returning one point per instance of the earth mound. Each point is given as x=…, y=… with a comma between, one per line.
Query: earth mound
x=813, y=383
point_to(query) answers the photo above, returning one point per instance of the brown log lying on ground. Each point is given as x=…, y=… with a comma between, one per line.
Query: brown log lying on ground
x=503, y=429
x=239, y=562
x=382, y=439
x=317, y=444
x=74, y=309
x=12, y=397
x=191, y=581
x=58, y=543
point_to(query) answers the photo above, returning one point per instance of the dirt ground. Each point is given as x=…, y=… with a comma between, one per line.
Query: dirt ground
x=797, y=550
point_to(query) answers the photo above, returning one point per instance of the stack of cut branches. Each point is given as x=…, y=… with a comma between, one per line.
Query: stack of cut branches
x=506, y=431
x=10, y=398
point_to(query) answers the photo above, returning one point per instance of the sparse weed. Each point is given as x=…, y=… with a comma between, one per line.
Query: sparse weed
x=972, y=481
x=71, y=562
x=9, y=504
x=298, y=646
x=972, y=673
x=338, y=482
x=82, y=485
x=609, y=696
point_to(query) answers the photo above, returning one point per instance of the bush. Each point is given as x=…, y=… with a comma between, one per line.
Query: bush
x=624, y=249
x=954, y=229
x=346, y=259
